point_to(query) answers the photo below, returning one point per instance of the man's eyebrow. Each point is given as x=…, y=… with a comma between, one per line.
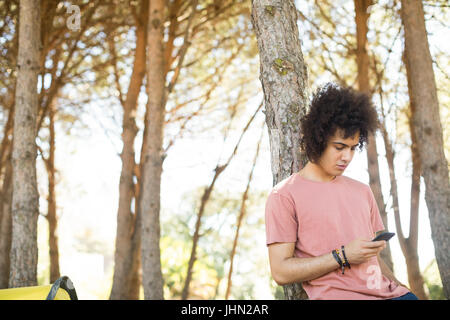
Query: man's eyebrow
x=345, y=144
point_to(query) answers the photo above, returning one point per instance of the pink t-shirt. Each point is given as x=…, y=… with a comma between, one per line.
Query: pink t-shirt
x=320, y=217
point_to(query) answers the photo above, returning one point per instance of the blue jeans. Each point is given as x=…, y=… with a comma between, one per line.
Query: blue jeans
x=408, y=296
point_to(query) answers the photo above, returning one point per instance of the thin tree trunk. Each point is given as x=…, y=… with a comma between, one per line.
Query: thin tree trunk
x=6, y=226
x=51, y=214
x=5, y=148
x=135, y=251
x=136, y=276
x=362, y=58
x=25, y=198
x=284, y=82
x=415, y=278
x=123, y=261
x=428, y=130
x=240, y=219
x=408, y=245
x=204, y=200
x=6, y=173
x=151, y=179
x=6, y=199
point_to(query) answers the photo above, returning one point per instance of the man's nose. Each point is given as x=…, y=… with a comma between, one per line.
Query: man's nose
x=347, y=155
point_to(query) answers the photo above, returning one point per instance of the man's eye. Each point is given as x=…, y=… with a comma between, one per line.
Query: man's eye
x=353, y=149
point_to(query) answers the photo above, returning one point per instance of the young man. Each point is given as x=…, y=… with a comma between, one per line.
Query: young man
x=319, y=223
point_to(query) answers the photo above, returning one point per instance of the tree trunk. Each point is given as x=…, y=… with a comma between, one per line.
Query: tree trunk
x=362, y=58
x=25, y=198
x=5, y=148
x=123, y=260
x=135, y=254
x=415, y=279
x=428, y=130
x=5, y=225
x=135, y=257
x=284, y=82
x=408, y=245
x=151, y=179
x=51, y=214
x=6, y=198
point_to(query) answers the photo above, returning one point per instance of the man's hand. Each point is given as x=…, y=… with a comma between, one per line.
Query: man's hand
x=359, y=250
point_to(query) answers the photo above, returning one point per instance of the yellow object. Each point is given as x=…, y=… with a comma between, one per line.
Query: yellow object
x=62, y=289
x=32, y=293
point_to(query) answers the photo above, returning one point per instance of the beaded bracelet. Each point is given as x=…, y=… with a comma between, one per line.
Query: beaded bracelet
x=347, y=264
x=340, y=256
x=338, y=259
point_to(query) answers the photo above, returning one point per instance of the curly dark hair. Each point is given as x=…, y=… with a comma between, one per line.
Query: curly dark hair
x=334, y=107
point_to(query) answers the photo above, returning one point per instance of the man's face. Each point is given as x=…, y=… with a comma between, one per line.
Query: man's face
x=338, y=154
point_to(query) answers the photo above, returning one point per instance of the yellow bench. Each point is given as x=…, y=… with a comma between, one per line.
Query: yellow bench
x=62, y=289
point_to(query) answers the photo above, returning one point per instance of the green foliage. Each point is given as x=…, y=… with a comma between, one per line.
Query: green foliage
x=279, y=293
x=433, y=281
x=212, y=266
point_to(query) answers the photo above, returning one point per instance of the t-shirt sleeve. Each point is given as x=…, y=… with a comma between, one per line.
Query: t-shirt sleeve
x=281, y=220
x=375, y=217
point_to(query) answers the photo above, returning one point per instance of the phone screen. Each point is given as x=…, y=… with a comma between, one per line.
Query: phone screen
x=384, y=236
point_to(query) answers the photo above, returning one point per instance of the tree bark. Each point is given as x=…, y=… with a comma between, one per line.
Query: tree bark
x=428, y=130
x=25, y=198
x=362, y=58
x=284, y=82
x=150, y=200
x=123, y=261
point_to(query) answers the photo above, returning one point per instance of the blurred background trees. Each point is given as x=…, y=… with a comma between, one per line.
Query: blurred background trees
x=93, y=115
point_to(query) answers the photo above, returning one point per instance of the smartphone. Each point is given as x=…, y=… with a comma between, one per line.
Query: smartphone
x=384, y=236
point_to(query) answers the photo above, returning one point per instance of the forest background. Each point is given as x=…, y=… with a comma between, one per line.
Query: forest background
x=216, y=146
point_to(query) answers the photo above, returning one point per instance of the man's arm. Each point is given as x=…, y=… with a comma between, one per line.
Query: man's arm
x=287, y=269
